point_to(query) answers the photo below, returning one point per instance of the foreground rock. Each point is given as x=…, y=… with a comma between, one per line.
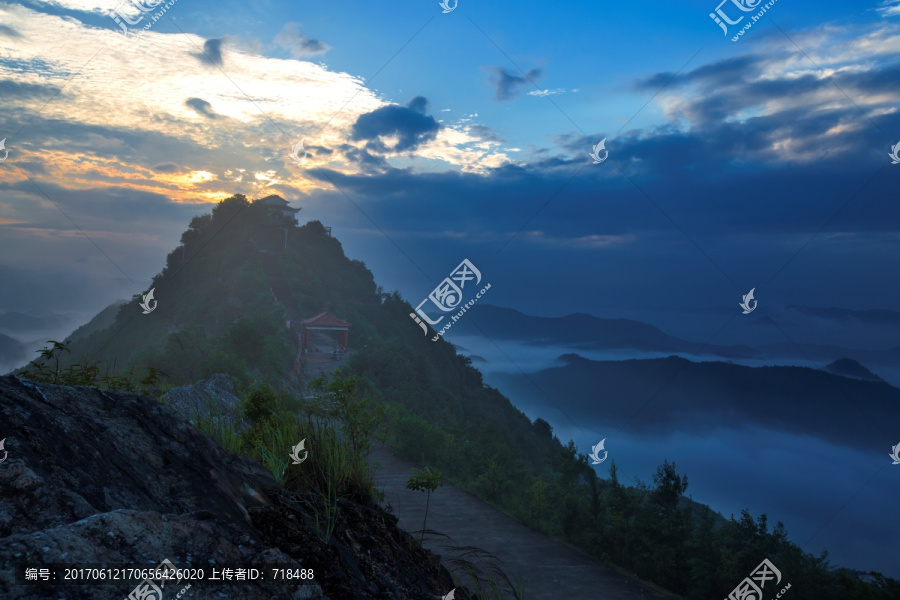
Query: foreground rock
x=216, y=392
x=111, y=477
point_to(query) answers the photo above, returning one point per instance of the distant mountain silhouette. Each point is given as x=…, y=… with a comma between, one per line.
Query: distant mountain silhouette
x=584, y=332
x=11, y=349
x=18, y=322
x=881, y=316
x=825, y=352
x=850, y=368
x=680, y=395
x=101, y=320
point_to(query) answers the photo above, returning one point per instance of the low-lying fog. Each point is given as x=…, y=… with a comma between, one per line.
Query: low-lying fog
x=830, y=497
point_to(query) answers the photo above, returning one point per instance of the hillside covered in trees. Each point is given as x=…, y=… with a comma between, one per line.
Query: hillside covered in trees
x=244, y=270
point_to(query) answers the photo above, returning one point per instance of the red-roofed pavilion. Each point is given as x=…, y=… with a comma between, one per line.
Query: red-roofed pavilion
x=325, y=321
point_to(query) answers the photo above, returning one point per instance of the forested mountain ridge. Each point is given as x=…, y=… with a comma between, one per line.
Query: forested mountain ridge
x=702, y=396
x=218, y=312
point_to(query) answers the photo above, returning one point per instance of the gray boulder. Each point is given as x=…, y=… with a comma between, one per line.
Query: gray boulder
x=92, y=477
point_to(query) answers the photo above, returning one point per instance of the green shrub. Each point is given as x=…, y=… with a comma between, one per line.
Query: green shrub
x=260, y=405
x=349, y=401
x=46, y=369
x=414, y=438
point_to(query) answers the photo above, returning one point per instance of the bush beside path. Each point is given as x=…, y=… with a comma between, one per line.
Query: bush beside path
x=549, y=569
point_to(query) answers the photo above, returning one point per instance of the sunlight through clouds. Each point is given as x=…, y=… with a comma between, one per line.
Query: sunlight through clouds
x=211, y=121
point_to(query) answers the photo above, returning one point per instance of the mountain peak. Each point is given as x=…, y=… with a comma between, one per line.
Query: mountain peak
x=848, y=367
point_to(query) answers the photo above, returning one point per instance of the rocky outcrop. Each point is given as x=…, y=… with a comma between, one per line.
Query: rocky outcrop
x=113, y=477
x=217, y=391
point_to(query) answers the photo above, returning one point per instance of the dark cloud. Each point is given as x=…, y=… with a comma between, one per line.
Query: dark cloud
x=202, y=107
x=371, y=162
x=107, y=209
x=367, y=161
x=722, y=89
x=167, y=168
x=508, y=86
x=724, y=187
x=724, y=72
x=7, y=31
x=10, y=89
x=484, y=132
x=299, y=45
x=409, y=123
x=32, y=167
x=418, y=104
x=887, y=81
x=212, y=53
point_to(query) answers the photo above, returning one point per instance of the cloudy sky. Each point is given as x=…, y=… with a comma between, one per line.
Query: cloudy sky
x=432, y=137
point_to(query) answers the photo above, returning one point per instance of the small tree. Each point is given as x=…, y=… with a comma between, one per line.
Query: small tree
x=424, y=480
x=669, y=488
x=349, y=400
x=261, y=408
x=542, y=428
x=41, y=371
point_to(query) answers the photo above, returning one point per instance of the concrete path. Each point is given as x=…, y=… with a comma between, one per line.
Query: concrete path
x=549, y=569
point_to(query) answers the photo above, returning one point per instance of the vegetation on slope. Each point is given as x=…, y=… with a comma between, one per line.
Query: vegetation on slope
x=218, y=312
